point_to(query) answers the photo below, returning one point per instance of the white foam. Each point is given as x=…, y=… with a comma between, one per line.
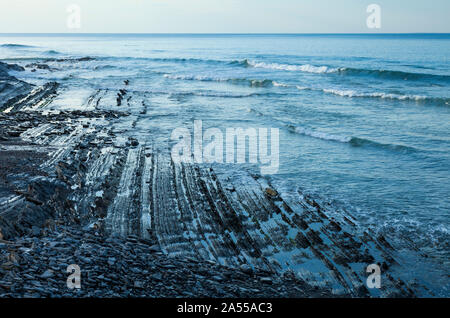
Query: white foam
x=276, y=84
x=191, y=77
x=322, y=135
x=352, y=93
x=308, y=68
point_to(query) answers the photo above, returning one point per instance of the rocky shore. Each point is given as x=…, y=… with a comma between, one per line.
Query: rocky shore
x=77, y=187
x=35, y=266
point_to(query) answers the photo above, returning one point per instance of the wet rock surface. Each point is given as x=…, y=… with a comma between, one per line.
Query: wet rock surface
x=113, y=266
x=10, y=87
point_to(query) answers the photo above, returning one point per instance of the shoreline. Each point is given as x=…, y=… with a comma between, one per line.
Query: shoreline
x=71, y=174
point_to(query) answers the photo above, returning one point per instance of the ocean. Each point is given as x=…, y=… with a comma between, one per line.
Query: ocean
x=364, y=120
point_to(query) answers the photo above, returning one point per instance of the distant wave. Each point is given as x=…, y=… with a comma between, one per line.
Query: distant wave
x=52, y=52
x=237, y=81
x=338, y=92
x=51, y=59
x=73, y=59
x=381, y=95
x=183, y=60
x=166, y=59
x=243, y=63
x=104, y=67
x=207, y=94
x=353, y=141
x=308, y=68
x=387, y=74
x=13, y=45
x=360, y=142
x=351, y=93
x=318, y=135
x=218, y=94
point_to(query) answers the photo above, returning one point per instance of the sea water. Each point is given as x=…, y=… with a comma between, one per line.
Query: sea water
x=364, y=120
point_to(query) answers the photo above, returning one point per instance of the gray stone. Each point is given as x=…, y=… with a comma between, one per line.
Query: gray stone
x=47, y=274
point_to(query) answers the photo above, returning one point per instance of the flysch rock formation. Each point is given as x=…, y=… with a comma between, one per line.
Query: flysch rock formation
x=76, y=189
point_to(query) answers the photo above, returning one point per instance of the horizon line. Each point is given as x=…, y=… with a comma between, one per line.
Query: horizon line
x=223, y=33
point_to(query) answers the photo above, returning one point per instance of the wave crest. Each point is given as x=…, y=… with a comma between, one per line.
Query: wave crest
x=318, y=135
x=307, y=68
x=353, y=141
x=13, y=45
x=381, y=95
x=237, y=81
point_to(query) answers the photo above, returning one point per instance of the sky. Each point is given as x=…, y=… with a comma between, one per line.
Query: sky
x=224, y=16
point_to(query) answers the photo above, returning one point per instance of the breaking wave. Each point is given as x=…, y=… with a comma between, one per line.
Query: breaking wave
x=381, y=95
x=338, y=92
x=221, y=95
x=210, y=94
x=237, y=81
x=307, y=68
x=13, y=46
x=353, y=141
x=318, y=135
